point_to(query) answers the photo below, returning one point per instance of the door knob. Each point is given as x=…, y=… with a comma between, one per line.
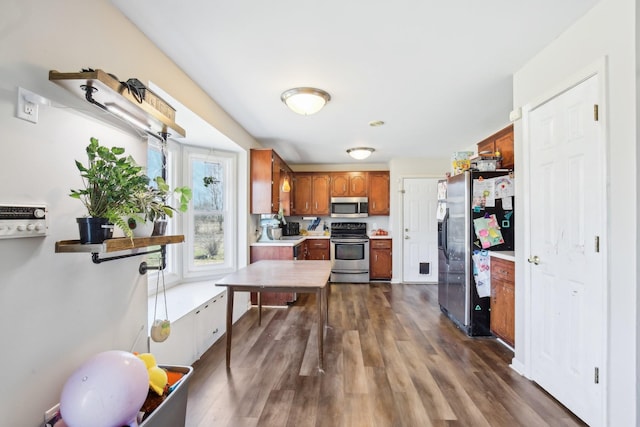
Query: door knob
x=534, y=260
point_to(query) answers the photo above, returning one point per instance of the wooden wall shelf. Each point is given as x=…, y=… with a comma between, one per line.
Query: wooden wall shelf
x=122, y=244
x=107, y=90
x=114, y=245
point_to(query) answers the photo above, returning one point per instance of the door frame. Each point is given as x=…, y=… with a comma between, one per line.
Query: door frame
x=402, y=224
x=524, y=325
x=398, y=241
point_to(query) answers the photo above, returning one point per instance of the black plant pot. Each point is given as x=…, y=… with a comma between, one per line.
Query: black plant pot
x=94, y=230
x=159, y=227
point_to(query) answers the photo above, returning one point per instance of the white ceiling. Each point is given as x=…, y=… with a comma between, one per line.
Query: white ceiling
x=438, y=73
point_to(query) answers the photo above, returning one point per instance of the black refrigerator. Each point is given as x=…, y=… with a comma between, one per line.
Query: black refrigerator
x=475, y=213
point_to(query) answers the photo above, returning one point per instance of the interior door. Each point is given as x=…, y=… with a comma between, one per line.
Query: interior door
x=566, y=260
x=420, y=230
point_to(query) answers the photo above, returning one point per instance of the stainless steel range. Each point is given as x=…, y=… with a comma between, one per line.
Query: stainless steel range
x=349, y=252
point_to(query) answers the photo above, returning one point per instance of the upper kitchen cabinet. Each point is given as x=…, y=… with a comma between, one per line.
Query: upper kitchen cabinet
x=311, y=194
x=501, y=141
x=349, y=184
x=379, y=193
x=270, y=178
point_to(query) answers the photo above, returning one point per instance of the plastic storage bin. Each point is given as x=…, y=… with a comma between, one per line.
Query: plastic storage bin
x=172, y=412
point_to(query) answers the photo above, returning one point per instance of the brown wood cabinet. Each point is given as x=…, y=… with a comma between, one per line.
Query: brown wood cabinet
x=317, y=249
x=503, y=299
x=258, y=253
x=501, y=141
x=311, y=194
x=380, y=261
x=349, y=184
x=268, y=174
x=378, y=193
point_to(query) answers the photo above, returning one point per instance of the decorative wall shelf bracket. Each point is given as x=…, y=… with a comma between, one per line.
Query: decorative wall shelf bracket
x=151, y=114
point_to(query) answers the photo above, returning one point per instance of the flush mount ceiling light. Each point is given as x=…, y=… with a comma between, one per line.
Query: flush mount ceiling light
x=360, y=153
x=305, y=100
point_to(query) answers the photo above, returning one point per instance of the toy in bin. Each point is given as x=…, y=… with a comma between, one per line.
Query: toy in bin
x=114, y=389
x=107, y=390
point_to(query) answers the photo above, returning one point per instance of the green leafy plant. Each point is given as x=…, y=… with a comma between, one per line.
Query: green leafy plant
x=110, y=179
x=153, y=202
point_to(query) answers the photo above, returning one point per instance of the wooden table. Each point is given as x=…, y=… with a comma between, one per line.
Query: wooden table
x=281, y=276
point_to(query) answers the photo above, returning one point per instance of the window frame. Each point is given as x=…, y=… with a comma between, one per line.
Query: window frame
x=179, y=268
x=230, y=168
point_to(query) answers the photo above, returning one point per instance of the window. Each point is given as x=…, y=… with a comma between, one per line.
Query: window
x=211, y=247
x=209, y=225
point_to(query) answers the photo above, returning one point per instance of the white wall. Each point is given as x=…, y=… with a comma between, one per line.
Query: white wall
x=607, y=31
x=59, y=309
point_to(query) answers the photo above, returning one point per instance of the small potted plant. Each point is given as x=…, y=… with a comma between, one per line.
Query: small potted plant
x=110, y=178
x=152, y=207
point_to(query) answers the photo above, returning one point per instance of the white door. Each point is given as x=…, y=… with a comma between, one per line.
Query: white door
x=420, y=230
x=566, y=259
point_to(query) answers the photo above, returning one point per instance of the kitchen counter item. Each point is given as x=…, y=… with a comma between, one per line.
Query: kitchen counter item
x=291, y=229
x=269, y=226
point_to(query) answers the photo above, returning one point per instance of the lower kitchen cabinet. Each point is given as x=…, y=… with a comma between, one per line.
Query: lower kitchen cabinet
x=503, y=299
x=380, y=259
x=318, y=249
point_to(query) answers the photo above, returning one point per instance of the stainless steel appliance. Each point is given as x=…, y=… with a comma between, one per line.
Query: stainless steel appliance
x=349, y=252
x=457, y=293
x=349, y=207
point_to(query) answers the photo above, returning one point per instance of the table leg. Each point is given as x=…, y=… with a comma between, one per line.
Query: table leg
x=319, y=298
x=230, y=291
x=259, y=308
x=326, y=293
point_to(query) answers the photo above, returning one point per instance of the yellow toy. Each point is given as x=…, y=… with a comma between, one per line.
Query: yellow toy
x=157, y=376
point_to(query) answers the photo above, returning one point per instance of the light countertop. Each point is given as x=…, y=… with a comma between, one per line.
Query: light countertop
x=302, y=239
x=289, y=242
x=506, y=255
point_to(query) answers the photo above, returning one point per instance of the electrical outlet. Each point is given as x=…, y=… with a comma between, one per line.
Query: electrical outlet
x=52, y=416
x=27, y=109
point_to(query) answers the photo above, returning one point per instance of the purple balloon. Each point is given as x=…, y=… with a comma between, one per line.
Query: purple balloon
x=107, y=390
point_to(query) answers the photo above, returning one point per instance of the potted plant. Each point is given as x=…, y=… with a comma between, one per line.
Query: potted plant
x=152, y=206
x=110, y=178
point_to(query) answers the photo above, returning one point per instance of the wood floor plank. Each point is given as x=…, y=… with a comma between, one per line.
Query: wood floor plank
x=355, y=380
x=304, y=408
x=391, y=359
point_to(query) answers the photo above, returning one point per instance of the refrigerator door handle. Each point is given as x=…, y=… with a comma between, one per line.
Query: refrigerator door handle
x=445, y=234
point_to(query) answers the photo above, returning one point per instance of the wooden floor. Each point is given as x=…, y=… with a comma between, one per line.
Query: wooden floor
x=391, y=359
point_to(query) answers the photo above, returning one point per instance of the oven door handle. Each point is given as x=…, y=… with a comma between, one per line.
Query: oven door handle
x=342, y=271
x=358, y=241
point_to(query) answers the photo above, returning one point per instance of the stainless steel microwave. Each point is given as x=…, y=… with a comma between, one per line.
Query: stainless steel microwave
x=349, y=207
